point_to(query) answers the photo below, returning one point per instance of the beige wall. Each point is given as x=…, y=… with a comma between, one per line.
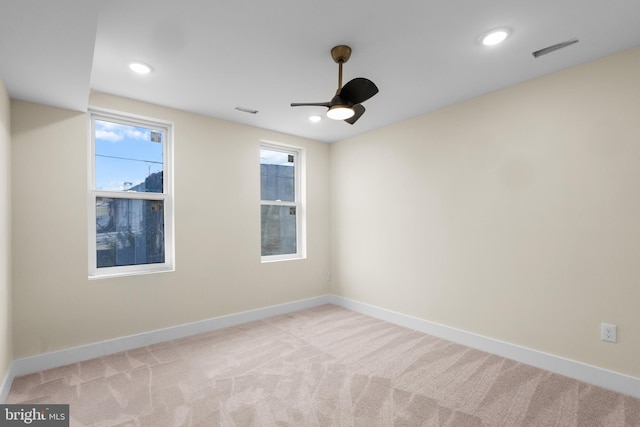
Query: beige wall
x=218, y=269
x=515, y=215
x=6, y=354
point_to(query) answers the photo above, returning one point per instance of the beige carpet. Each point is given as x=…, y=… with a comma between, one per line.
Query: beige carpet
x=325, y=366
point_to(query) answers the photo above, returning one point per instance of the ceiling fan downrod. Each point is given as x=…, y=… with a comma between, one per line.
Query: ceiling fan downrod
x=340, y=55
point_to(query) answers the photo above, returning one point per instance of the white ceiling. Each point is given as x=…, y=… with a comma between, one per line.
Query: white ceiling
x=212, y=56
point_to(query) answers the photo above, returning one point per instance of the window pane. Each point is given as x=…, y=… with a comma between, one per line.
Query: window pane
x=278, y=230
x=128, y=158
x=277, y=175
x=129, y=231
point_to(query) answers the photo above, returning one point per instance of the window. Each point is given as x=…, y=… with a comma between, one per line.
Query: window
x=281, y=205
x=130, y=205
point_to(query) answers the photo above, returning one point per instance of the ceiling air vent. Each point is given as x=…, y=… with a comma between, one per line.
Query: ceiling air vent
x=554, y=47
x=247, y=110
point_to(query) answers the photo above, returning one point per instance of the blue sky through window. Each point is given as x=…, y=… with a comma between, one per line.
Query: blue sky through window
x=274, y=157
x=125, y=154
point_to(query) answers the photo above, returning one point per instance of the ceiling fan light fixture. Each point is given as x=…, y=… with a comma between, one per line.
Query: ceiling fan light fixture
x=495, y=37
x=340, y=112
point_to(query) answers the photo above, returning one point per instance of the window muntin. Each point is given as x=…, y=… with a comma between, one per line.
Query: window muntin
x=131, y=224
x=281, y=213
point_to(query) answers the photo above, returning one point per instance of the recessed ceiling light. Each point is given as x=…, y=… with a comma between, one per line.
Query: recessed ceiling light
x=494, y=37
x=315, y=118
x=139, y=67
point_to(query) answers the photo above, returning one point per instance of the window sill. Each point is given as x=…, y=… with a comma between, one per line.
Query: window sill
x=115, y=274
x=279, y=258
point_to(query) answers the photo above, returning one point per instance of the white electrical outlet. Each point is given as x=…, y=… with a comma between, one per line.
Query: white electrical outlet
x=608, y=332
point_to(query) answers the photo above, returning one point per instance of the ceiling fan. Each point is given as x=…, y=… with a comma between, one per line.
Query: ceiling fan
x=347, y=103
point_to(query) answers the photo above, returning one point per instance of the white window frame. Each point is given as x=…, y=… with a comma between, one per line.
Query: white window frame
x=166, y=196
x=299, y=201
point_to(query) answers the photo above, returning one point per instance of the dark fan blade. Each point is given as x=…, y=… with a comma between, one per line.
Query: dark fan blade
x=310, y=104
x=358, y=90
x=359, y=109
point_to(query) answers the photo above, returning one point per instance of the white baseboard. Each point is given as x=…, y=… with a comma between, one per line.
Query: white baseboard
x=590, y=374
x=570, y=368
x=55, y=359
x=5, y=385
